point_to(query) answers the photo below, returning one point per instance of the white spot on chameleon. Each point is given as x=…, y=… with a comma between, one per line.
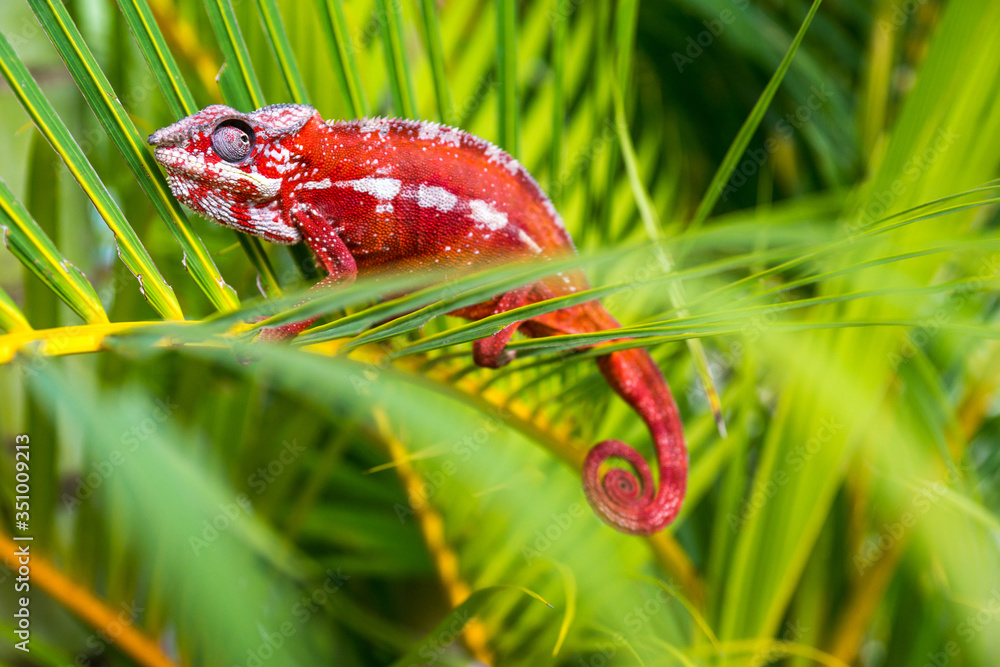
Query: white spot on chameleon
x=280, y=153
x=440, y=133
x=485, y=214
x=432, y=196
x=428, y=131
x=315, y=185
x=380, y=188
x=528, y=241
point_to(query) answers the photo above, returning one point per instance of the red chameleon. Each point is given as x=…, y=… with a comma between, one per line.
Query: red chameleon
x=383, y=194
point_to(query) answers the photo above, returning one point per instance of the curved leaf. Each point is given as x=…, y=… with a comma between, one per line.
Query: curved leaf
x=12, y=320
x=29, y=244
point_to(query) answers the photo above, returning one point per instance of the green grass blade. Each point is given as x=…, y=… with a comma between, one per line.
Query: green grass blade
x=507, y=76
x=435, y=51
x=277, y=37
x=556, y=148
x=651, y=222
x=26, y=240
x=154, y=49
x=43, y=197
x=12, y=320
x=651, y=336
x=87, y=74
x=156, y=290
x=743, y=137
x=335, y=29
x=395, y=58
x=238, y=70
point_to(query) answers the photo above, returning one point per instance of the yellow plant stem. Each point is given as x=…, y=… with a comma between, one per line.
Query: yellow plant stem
x=866, y=597
x=432, y=528
x=61, y=341
x=85, y=606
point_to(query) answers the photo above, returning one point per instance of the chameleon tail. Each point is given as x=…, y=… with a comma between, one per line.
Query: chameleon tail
x=629, y=503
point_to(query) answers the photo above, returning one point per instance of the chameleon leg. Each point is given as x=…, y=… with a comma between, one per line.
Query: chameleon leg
x=331, y=252
x=490, y=352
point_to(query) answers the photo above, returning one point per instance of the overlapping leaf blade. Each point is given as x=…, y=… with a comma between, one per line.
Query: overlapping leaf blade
x=24, y=238
x=12, y=320
x=341, y=50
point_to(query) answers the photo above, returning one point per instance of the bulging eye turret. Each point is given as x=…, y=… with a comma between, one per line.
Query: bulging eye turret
x=233, y=140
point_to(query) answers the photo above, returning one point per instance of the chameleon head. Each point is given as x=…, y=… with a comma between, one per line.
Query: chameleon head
x=230, y=166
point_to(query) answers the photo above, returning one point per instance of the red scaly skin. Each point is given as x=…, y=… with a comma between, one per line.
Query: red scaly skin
x=376, y=195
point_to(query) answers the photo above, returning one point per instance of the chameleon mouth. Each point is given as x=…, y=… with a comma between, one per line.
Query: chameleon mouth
x=250, y=186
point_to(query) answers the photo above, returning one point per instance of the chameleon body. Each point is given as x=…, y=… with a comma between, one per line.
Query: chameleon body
x=376, y=195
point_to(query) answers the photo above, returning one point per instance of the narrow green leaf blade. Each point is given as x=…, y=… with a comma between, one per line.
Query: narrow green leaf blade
x=238, y=69
x=26, y=240
x=651, y=221
x=507, y=75
x=435, y=51
x=277, y=37
x=395, y=58
x=154, y=49
x=12, y=320
x=743, y=137
x=335, y=29
x=558, y=50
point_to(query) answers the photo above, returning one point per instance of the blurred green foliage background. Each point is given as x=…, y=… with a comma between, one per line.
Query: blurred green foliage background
x=808, y=228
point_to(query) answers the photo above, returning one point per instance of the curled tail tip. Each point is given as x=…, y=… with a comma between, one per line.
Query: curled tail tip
x=628, y=503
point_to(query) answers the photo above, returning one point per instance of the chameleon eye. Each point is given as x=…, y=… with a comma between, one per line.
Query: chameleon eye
x=232, y=140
